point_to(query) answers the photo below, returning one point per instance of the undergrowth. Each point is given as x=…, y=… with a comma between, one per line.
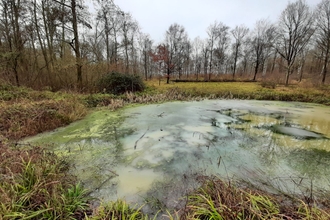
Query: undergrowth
x=35, y=185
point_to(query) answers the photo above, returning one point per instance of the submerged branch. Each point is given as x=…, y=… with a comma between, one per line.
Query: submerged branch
x=140, y=138
x=102, y=184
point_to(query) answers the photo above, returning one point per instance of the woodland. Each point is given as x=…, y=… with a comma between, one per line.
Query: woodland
x=60, y=44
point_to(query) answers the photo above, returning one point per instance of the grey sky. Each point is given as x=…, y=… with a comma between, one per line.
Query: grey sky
x=155, y=16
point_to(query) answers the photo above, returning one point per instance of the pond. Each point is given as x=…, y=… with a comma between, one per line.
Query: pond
x=155, y=153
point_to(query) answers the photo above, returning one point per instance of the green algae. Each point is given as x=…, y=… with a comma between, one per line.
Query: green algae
x=134, y=147
x=99, y=125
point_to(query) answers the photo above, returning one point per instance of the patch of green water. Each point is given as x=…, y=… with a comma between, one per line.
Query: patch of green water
x=101, y=125
x=123, y=153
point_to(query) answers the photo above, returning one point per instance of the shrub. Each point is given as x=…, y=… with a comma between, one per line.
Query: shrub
x=118, y=83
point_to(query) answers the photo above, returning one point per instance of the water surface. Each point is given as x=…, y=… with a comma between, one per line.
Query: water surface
x=156, y=152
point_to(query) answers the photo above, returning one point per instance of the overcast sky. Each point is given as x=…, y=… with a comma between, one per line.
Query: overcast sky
x=155, y=16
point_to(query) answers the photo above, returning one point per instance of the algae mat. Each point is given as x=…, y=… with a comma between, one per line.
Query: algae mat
x=156, y=152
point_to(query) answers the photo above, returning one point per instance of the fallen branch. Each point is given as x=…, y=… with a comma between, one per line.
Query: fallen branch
x=140, y=139
x=101, y=185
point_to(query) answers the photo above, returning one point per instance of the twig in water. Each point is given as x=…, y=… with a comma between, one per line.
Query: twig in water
x=115, y=131
x=161, y=114
x=113, y=172
x=219, y=161
x=101, y=185
x=140, y=139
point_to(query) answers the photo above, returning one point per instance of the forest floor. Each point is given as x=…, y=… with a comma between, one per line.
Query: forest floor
x=35, y=183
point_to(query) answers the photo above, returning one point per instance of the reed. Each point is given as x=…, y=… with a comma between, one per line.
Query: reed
x=118, y=210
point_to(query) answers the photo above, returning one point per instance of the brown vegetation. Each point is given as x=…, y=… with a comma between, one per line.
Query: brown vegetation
x=25, y=112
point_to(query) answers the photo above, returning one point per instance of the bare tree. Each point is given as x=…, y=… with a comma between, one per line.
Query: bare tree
x=295, y=29
x=176, y=38
x=220, y=53
x=76, y=45
x=45, y=15
x=185, y=58
x=146, y=47
x=104, y=14
x=96, y=44
x=197, y=53
x=213, y=35
x=129, y=28
x=206, y=58
x=12, y=18
x=323, y=34
x=239, y=33
x=247, y=57
x=217, y=42
x=261, y=43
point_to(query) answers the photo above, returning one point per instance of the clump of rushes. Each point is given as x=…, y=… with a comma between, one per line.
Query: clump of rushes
x=118, y=210
x=219, y=200
x=35, y=185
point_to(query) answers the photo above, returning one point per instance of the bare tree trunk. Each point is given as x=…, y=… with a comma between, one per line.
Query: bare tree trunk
x=18, y=42
x=301, y=69
x=288, y=73
x=42, y=47
x=325, y=65
x=235, y=59
x=145, y=64
x=256, y=69
x=63, y=31
x=168, y=75
x=274, y=61
x=76, y=43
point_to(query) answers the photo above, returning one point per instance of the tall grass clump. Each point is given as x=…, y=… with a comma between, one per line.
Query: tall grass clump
x=118, y=210
x=216, y=199
x=35, y=185
x=118, y=83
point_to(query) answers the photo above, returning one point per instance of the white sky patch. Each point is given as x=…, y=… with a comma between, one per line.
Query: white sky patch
x=155, y=16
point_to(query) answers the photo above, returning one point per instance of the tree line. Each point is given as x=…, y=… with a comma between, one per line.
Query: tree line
x=60, y=44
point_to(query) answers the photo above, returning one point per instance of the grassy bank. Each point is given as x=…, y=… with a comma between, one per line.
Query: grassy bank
x=35, y=184
x=25, y=112
x=217, y=199
x=247, y=90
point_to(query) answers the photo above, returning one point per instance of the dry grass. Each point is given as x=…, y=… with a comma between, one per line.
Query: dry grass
x=247, y=90
x=217, y=199
x=25, y=112
x=21, y=119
